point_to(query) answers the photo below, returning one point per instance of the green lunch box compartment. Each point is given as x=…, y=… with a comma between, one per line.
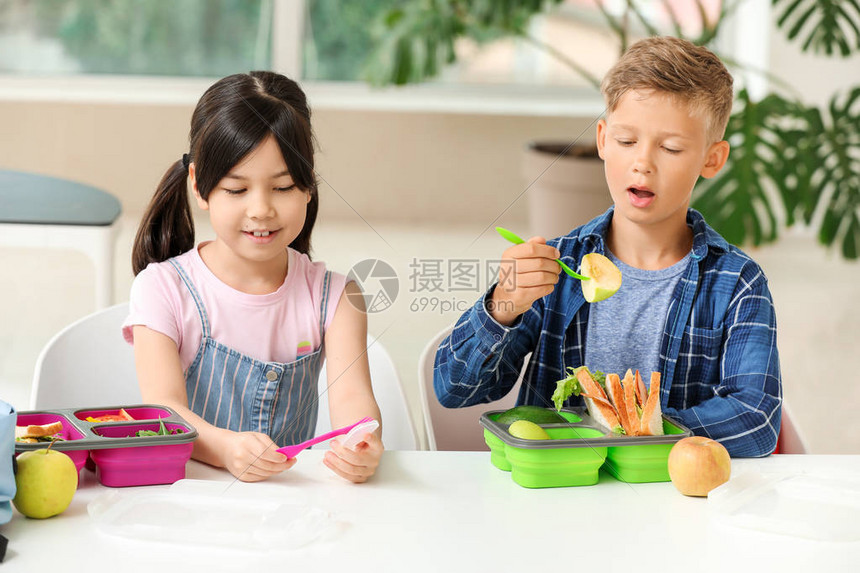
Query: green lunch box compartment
x=645, y=463
x=558, y=467
x=497, y=451
x=577, y=450
x=497, y=446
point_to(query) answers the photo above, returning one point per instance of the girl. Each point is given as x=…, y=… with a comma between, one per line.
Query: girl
x=231, y=333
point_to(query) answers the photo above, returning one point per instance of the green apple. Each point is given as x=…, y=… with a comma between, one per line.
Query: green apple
x=605, y=277
x=527, y=430
x=46, y=483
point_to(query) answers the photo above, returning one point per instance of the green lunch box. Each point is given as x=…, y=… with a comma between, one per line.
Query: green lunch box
x=578, y=449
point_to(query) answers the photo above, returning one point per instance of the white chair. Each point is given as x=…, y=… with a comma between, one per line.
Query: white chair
x=87, y=364
x=456, y=429
x=398, y=431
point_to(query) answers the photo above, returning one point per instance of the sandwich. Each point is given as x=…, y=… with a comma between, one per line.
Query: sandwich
x=623, y=406
x=35, y=433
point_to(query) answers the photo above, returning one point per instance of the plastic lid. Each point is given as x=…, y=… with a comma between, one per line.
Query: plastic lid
x=223, y=514
x=356, y=434
x=799, y=504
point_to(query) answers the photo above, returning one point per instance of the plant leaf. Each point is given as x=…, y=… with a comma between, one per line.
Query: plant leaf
x=747, y=199
x=415, y=41
x=851, y=240
x=828, y=25
x=788, y=162
x=836, y=179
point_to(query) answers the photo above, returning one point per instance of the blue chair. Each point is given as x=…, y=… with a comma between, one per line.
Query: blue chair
x=41, y=211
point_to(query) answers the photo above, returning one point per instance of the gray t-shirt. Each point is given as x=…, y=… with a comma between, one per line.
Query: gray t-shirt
x=626, y=330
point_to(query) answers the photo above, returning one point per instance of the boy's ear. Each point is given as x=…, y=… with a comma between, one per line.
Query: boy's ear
x=192, y=173
x=715, y=159
x=601, y=137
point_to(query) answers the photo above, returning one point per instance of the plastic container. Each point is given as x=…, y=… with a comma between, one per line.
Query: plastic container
x=818, y=505
x=70, y=434
x=577, y=450
x=254, y=518
x=646, y=459
x=117, y=455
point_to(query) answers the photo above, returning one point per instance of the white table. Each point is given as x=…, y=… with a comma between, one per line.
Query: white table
x=453, y=511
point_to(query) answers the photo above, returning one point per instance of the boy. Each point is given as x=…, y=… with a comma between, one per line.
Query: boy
x=690, y=306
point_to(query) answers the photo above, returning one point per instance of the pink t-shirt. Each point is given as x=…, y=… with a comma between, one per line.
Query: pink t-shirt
x=275, y=327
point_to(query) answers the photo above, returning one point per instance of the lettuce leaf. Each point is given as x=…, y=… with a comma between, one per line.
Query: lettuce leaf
x=570, y=386
x=598, y=377
x=564, y=389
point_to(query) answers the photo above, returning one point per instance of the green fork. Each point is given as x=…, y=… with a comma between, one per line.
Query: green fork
x=517, y=240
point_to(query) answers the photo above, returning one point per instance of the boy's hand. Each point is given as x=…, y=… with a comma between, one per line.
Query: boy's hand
x=251, y=456
x=355, y=465
x=528, y=272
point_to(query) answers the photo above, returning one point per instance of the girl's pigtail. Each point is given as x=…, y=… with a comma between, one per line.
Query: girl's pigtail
x=167, y=228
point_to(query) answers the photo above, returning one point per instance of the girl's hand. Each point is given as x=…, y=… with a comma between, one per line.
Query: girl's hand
x=251, y=456
x=355, y=465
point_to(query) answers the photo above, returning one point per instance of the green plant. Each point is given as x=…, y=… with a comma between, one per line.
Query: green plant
x=790, y=162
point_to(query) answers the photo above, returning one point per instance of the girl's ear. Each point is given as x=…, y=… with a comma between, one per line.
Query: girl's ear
x=601, y=137
x=715, y=159
x=192, y=173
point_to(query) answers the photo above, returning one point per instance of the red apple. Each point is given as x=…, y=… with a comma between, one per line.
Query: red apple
x=698, y=464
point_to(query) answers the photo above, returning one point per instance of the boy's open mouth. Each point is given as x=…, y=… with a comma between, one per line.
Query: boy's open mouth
x=641, y=192
x=640, y=197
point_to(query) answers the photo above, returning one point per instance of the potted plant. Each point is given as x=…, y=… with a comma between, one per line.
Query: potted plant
x=790, y=162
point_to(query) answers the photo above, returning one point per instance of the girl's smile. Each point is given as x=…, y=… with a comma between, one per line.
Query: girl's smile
x=261, y=237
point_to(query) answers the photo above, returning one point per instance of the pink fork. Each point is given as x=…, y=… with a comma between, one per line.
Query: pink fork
x=291, y=451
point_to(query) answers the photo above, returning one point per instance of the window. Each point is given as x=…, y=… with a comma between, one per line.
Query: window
x=324, y=42
x=337, y=41
x=137, y=37
x=337, y=37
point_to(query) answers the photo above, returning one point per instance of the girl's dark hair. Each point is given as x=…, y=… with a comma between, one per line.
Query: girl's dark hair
x=234, y=116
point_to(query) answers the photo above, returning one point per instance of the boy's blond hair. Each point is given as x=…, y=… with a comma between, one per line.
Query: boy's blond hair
x=690, y=73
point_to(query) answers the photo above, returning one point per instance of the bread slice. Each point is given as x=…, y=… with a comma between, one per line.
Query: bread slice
x=38, y=431
x=651, y=423
x=630, y=401
x=641, y=392
x=599, y=407
x=616, y=396
x=629, y=380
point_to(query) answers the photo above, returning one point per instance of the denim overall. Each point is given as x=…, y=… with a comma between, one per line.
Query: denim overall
x=234, y=391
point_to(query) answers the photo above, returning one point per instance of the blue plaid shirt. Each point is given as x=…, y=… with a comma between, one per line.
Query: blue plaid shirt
x=718, y=356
